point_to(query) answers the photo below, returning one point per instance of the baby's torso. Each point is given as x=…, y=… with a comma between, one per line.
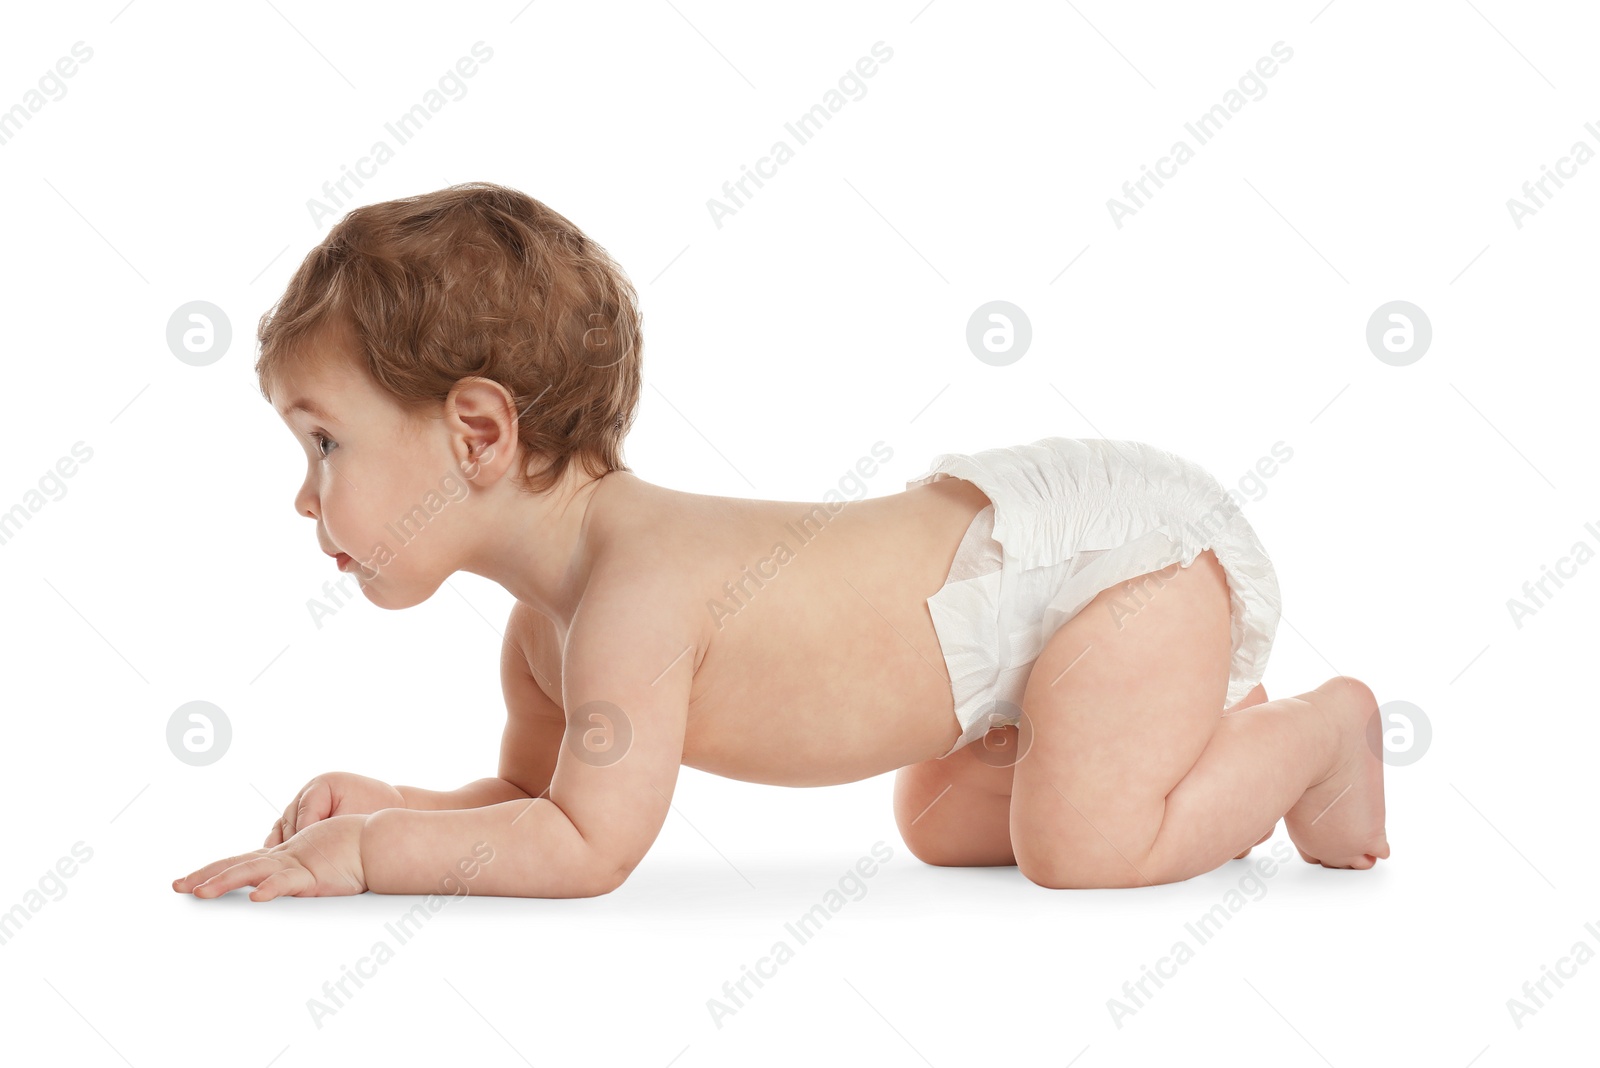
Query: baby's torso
x=821, y=663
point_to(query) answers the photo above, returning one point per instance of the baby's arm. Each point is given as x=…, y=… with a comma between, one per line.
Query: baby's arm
x=475, y=794
x=626, y=679
x=627, y=671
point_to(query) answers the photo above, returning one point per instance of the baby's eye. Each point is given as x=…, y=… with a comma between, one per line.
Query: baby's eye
x=319, y=441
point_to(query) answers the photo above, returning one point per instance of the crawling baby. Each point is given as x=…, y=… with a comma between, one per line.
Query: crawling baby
x=1057, y=646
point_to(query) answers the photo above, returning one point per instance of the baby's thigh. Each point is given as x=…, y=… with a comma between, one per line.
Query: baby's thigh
x=1122, y=701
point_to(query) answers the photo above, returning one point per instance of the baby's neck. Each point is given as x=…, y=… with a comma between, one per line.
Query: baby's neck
x=540, y=547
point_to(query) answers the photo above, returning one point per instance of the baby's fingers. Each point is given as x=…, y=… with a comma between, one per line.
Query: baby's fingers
x=284, y=827
x=200, y=875
x=288, y=881
x=250, y=871
x=316, y=803
x=310, y=805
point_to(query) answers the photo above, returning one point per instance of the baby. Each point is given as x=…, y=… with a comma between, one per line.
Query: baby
x=1058, y=645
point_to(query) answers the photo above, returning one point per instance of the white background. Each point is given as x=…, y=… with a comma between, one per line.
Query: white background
x=828, y=313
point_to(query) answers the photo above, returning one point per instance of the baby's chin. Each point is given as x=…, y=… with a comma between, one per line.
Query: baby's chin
x=394, y=592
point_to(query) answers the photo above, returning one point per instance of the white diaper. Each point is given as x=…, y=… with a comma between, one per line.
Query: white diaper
x=1069, y=518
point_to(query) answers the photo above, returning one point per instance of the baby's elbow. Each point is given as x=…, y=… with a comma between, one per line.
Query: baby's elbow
x=606, y=875
x=607, y=882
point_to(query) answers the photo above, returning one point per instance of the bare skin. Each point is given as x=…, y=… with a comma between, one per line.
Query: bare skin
x=668, y=618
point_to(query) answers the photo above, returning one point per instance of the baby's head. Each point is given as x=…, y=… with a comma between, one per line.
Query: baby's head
x=452, y=350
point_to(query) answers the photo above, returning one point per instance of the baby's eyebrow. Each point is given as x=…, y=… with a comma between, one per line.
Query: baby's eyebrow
x=304, y=405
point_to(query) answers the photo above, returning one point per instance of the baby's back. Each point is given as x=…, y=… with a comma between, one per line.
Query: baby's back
x=820, y=662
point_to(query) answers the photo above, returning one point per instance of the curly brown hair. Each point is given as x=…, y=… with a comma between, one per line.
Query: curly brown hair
x=474, y=279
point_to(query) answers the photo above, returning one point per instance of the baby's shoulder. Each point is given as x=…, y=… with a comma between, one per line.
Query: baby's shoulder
x=634, y=600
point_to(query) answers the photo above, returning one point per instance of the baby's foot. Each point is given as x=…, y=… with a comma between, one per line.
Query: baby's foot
x=1338, y=822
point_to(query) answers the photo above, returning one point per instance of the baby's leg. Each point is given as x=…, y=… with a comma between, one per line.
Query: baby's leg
x=955, y=811
x=1133, y=776
x=1254, y=697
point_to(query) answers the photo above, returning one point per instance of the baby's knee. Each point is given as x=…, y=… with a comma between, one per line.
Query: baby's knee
x=1056, y=869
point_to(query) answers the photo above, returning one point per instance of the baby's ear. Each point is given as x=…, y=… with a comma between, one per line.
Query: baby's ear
x=482, y=406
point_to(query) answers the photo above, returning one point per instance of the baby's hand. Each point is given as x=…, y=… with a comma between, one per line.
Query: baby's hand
x=338, y=793
x=324, y=860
